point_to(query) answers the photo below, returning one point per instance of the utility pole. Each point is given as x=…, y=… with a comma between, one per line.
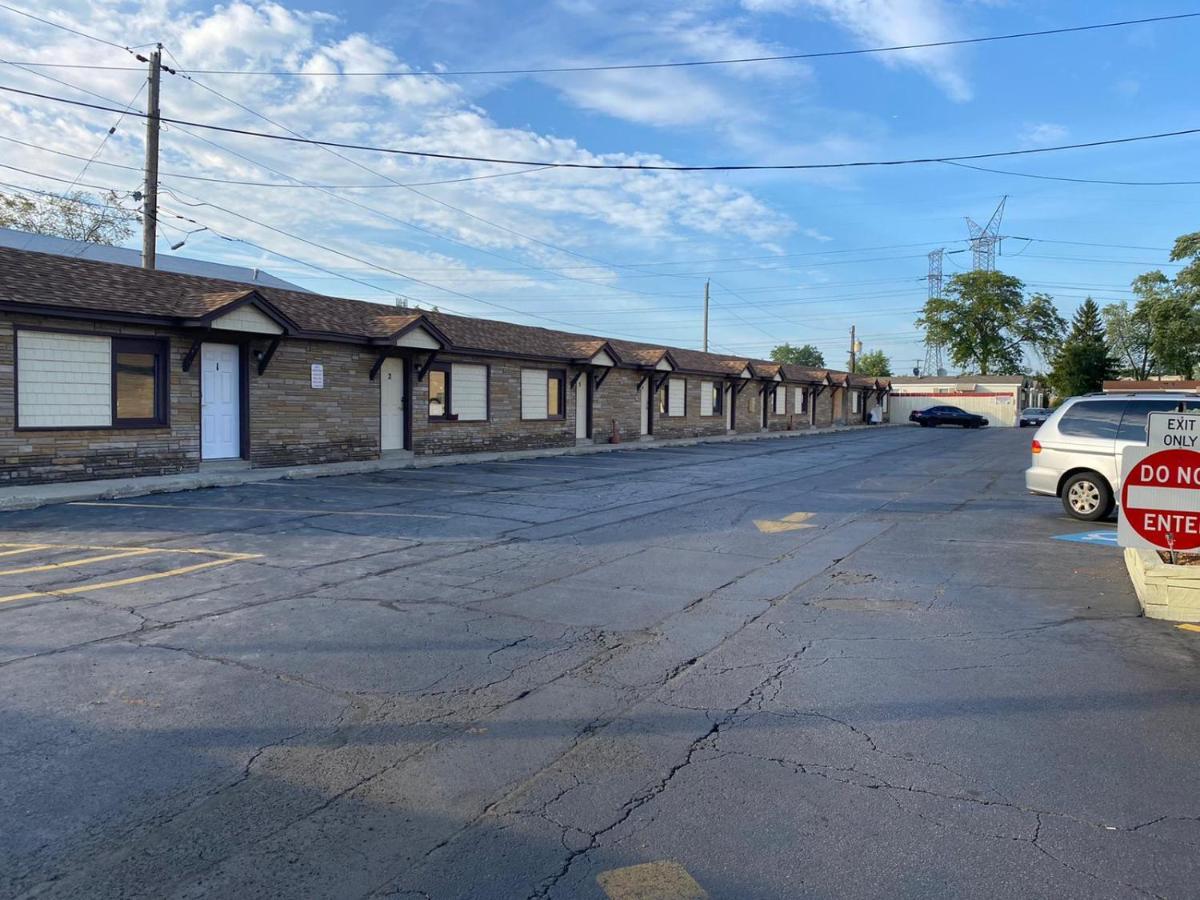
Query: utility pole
x=150, y=192
x=853, y=351
x=706, y=316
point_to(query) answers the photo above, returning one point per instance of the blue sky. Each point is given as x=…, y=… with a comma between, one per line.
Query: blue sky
x=793, y=256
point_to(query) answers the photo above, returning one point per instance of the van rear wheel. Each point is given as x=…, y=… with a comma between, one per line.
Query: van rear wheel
x=1086, y=496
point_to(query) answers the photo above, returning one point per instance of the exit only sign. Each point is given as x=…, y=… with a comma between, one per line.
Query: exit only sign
x=1169, y=431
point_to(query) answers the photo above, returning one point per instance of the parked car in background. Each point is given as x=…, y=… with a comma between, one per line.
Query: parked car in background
x=1077, y=451
x=946, y=415
x=1035, y=415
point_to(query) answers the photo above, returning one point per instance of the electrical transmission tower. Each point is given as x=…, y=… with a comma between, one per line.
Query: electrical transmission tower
x=933, y=352
x=985, y=239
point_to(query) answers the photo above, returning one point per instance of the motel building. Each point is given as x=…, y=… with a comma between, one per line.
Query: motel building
x=107, y=370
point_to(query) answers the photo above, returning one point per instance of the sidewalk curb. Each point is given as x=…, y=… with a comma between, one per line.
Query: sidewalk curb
x=38, y=495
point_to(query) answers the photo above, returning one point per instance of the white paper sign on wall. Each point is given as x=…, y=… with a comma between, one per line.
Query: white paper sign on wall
x=1166, y=430
x=318, y=375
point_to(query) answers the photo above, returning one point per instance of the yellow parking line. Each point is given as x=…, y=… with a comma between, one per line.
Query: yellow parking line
x=664, y=879
x=123, y=582
x=270, y=509
x=87, y=560
x=22, y=548
x=1188, y=626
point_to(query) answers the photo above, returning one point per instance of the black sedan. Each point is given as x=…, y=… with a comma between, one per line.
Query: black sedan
x=1034, y=415
x=946, y=415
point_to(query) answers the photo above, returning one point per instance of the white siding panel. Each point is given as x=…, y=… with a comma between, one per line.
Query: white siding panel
x=247, y=318
x=419, y=338
x=534, y=394
x=706, y=398
x=63, y=380
x=468, y=392
x=677, y=397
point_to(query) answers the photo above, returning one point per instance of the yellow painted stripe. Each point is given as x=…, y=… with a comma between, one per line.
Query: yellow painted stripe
x=121, y=582
x=22, y=548
x=270, y=509
x=85, y=561
x=661, y=880
x=1188, y=626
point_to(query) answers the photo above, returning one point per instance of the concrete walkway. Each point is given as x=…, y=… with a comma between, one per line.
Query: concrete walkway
x=35, y=495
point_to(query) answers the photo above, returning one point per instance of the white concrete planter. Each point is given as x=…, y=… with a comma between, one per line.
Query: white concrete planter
x=1164, y=591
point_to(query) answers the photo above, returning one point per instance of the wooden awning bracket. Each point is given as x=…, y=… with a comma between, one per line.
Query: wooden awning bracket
x=379, y=360
x=190, y=356
x=424, y=368
x=265, y=359
x=643, y=381
x=598, y=380
x=575, y=378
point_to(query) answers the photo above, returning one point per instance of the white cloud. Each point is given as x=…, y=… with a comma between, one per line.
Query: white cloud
x=1043, y=134
x=892, y=23
x=611, y=215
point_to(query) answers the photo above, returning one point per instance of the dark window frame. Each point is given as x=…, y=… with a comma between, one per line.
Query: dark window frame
x=447, y=415
x=162, y=386
x=160, y=348
x=561, y=375
x=718, y=399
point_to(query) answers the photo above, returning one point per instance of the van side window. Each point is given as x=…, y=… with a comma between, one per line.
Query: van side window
x=1093, y=419
x=1133, y=423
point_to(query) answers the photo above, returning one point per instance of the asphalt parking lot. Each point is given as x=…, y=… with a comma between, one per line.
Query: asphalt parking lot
x=849, y=665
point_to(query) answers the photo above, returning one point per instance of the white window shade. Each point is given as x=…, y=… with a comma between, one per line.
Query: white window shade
x=855, y=401
x=800, y=399
x=468, y=392
x=533, y=394
x=780, y=401
x=706, y=398
x=63, y=380
x=677, y=397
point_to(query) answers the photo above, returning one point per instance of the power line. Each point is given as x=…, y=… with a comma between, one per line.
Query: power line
x=1075, y=180
x=83, y=34
x=425, y=154
x=264, y=184
x=617, y=67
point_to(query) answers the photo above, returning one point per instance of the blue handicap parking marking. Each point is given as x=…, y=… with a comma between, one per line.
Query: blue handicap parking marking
x=1104, y=538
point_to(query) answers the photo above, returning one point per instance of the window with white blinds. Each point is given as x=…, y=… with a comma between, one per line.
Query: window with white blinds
x=469, y=392
x=706, y=398
x=534, y=393
x=780, y=401
x=801, y=399
x=677, y=397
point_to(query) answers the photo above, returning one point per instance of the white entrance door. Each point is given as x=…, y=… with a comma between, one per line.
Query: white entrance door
x=581, y=405
x=391, y=404
x=220, y=399
x=644, y=406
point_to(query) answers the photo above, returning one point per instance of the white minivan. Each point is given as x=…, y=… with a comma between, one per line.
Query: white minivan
x=1077, y=452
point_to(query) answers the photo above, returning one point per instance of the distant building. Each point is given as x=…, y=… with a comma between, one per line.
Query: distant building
x=124, y=256
x=1163, y=383
x=1000, y=398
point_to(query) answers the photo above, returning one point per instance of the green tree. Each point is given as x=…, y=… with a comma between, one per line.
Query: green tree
x=1170, y=310
x=1082, y=363
x=808, y=355
x=1128, y=334
x=987, y=323
x=874, y=363
x=76, y=215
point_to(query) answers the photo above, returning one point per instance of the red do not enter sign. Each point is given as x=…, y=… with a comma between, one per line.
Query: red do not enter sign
x=1160, y=499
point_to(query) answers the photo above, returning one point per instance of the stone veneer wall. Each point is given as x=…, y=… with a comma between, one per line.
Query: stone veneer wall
x=691, y=424
x=293, y=423
x=504, y=428
x=36, y=456
x=617, y=400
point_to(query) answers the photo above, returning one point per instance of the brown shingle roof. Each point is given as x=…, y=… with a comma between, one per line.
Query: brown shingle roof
x=106, y=289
